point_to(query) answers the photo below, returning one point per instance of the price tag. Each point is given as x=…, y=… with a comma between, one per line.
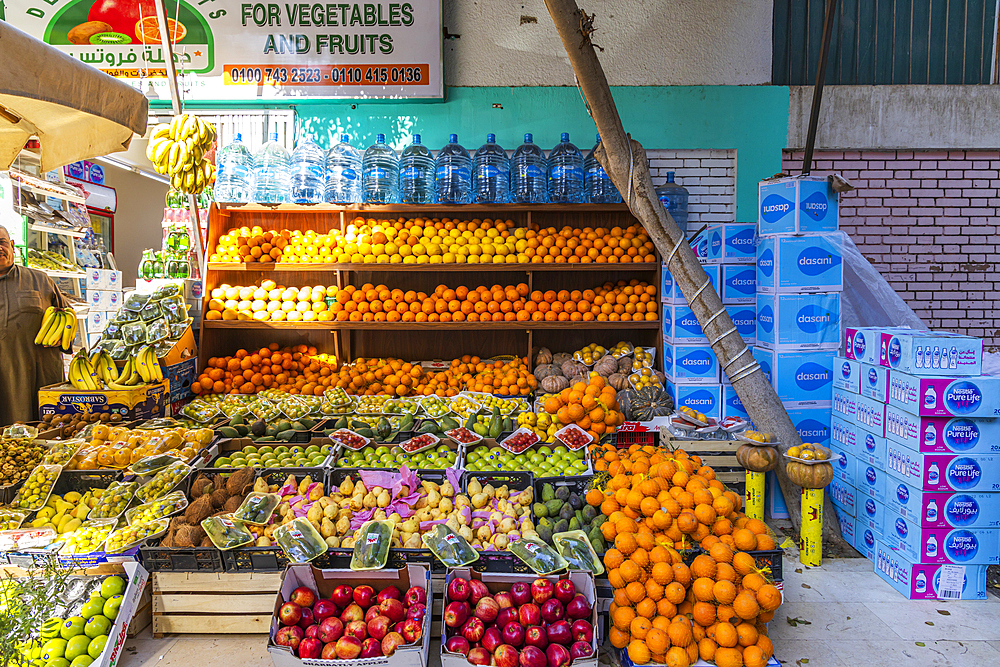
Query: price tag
x=371, y=538
x=532, y=547
x=296, y=534
x=227, y=523
x=952, y=580
x=451, y=538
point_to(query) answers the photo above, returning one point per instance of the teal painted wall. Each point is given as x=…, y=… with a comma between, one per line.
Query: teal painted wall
x=753, y=120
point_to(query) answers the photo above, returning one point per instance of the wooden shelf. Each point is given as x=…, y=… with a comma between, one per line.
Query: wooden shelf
x=406, y=268
x=429, y=326
x=228, y=209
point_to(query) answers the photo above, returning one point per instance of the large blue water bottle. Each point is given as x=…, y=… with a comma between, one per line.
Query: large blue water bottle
x=381, y=173
x=453, y=173
x=529, y=174
x=343, y=173
x=565, y=172
x=675, y=199
x=491, y=173
x=308, y=172
x=232, y=180
x=597, y=184
x=270, y=181
x=416, y=174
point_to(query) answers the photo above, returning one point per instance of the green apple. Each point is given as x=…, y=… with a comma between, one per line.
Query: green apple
x=57, y=662
x=81, y=661
x=111, y=607
x=72, y=627
x=93, y=607
x=97, y=646
x=97, y=625
x=112, y=586
x=76, y=646
x=54, y=648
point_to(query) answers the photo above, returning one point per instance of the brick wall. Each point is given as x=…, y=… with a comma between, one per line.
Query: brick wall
x=709, y=176
x=927, y=221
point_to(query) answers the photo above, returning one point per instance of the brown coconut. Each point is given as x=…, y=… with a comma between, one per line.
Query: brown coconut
x=206, y=542
x=219, y=498
x=240, y=482
x=232, y=504
x=167, y=541
x=199, y=510
x=188, y=536
x=198, y=486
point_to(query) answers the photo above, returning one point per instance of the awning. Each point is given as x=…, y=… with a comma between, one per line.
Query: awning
x=76, y=111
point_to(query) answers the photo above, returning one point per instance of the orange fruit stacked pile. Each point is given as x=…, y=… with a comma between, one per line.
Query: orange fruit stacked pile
x=297, y=370
x=590, y=405
x=507, y=378
x=665, y=611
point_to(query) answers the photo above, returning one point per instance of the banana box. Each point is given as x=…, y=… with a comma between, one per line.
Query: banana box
x=141, y=402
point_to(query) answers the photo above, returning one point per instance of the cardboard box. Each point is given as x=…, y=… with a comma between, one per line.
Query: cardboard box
x=870, y=449
x=137, y=403
x=798, y=321
x=681, y=326
x=871, y=514
x=844, y=464
x=496, y=582
x=732, y=406
x=870, y=415
x=690, y=364
x=103, y=299
x=671, y=293
x=860, y=344
x=183, y=350
x=874, y=382
x=744, y=318
x=865, y=540
x=848, y=525
x=103, y=279
x=847, y=374
x=739, y=284
x=922, y=581
x=323, y=582
x=930, y=509
x=942, y=434
x=797, y=204
x=799, y=378
x=774, y=500
x=96, y=321
x=972, y=546
x=800, y=264
x=706, y=399
x=843, y=435
x=910, y=351
x=843, y=496
x=180, y=376
x=732, y=243
x=845, y=405
x=871, y=482
x=943, y=472
x=977, y=396
x=813, y=424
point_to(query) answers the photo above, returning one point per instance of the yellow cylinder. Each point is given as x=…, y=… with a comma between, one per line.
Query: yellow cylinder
x=755, y=495
x=811, y=533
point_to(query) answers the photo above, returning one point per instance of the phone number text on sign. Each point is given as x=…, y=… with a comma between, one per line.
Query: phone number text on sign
x=326, y=75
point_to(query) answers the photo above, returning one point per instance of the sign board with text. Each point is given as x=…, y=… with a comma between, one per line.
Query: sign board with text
x=247, y=51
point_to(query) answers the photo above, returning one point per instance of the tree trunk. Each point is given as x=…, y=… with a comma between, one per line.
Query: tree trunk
x=625, y=162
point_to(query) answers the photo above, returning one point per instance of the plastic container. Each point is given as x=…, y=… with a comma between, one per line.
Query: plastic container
x=114, y=500
x=675, y=199
x=349, y=439
x=88, y=538
x=300, y=541
x=60, y=453
x=537, y=555
x=163, y=483
x=11, y=519
x=491, y=173
x=35, y=489
x=380, y=173
x=453, y=173
x=165, y=507
x=232, y=178
x=565, y=176
x=133, y=535
x=308, y=172
x=270, y=178
x=225, y=533
x=449, y=547
x=575, y=547
x=596, y=182
x=343, y=173
x=257, y=508
x=529, y=174
x=371, y=550
x=416, y=174
x=419, y=443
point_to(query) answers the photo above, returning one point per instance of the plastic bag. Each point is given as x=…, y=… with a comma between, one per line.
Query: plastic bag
x=301, y=542
x=135, y=301
x=177, y=329
x=157, y=330
x=371, y=549
x=134, y=333
x=151, y=311
x=166, y=290
x=226, y=533
x=575, y=547
x=174, y=309
x=537, y=555
x=257, y=508
x=449, y=547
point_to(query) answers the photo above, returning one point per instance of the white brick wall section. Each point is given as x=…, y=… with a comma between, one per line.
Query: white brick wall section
x=709, y=176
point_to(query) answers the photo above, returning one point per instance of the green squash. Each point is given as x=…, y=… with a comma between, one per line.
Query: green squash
x=650, y=402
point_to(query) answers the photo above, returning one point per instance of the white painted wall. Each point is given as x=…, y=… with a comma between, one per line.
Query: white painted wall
x=137, y=220
x=646, y=43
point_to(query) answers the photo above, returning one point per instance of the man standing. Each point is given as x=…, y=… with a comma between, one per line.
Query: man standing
x=24, y=296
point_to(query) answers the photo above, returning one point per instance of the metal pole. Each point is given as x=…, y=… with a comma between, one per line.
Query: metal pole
x=817, y=100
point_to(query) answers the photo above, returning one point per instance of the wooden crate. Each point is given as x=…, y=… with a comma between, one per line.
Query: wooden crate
x=213, y=602
x=143, y=616
x=720, y=454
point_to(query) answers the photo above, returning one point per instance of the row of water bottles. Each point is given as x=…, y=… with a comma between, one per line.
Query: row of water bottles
x=345, y=175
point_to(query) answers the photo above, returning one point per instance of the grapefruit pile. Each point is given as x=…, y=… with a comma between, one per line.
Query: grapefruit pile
x=659, y=503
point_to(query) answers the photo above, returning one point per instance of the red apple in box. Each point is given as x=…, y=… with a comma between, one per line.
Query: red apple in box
x=580, y=650
x=342, y=595
x=348, y=647
x=558, y=655
x=352, y=613
x=504, y=599
x=324, y=609
x=415, y=595
x=479, y=656
x=289, y=613
x=290, y=636
x=457, y=644
x=392, y=608
x=473, y=630
x=357, y=629
x=552, y=610
x=477, y=591
x=330, y=629
x=520, y=593
x=541, y=590
x=311, y=631
x=412, y=630
x=535, y=636
x=389, y=593
x=378, y=627
x=532, y=656
x=529, y=614
x=492, y=638
x=417, y=611
x=310, y=647
x=390, y=642
x=506, y=616
x=399, y=627
x=371, y=648
x=560, y=632
x=513, y=634
x=363, y=596
x=307, y=617
x=372, y=612
x=578, y=607
x=458, y=589
x=303, y=597
x=487, y=609
x=505, y=655
x=564, y=590
x=329, y=651
x=455, y=614
x=583, y=631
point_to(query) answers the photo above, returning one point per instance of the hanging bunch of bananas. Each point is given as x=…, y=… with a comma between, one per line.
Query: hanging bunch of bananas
x=58, y=329
x=178, y=149
x=99, y=370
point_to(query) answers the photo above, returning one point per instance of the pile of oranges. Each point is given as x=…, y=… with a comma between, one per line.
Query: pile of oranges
x=590, y=405
x=503, y=377
x=297, y=370
x=437, y=241
x=665, y=611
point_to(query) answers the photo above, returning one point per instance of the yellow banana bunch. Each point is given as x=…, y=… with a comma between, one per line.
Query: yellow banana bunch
x=58, y=329
x=178, y=149
x=82, y=374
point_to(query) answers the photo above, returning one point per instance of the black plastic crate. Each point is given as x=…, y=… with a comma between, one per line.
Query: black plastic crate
x=515, y=481
x=770, y=561
x=170, y=559
x=500, y=561
x=578, y=484
x=255, y=559
x=628, y=438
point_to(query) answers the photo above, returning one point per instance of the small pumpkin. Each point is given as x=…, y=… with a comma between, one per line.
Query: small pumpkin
x=582, y=377
x=573, y=368
x=809, y=476
x=757, y=459
x=553, y=384
x=624, y=398
x=651, y=401
x=544, y=370
x=544, y=356
x=625, y=364
x=606, y=366
x=560, y=358
x=618, y=381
